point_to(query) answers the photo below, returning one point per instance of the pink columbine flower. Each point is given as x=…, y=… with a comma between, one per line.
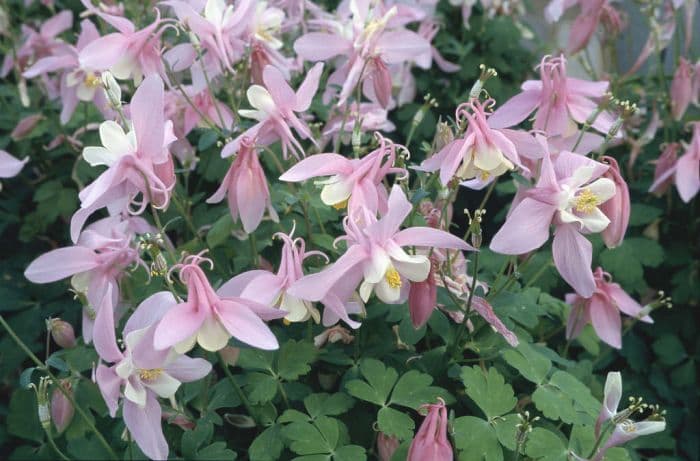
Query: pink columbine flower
x=368, y=46
x=128, y=53
x=62, y=333
x=483, y=152
x=375, y=260
x=140, y=374
x=422, y=298
x=138, y=162
x=431, y=440
x=681, y=89
x=559, y=102
x=10, y=166
x=274, y=107
x=386, y=446
x=591, y=14
x=602, y=309
x=96, y=263
x=355, y=183
x=270, y=288
x=688, y=167
x=568, y=194
x=77, y=83
x=210, y=319
x=245, y=186
x=665, y=169
x=618, y=208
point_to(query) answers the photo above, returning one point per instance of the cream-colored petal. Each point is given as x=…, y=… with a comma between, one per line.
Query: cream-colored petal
x=298, y=310
x=414, y=267
x=212, y=335
x=336, y=192
x=603, y=189
x=260, y=98
x=254, y=114
x=97, y=155
x=135, y=392
x=595, y=221
x=114, y=139
x=387, y=293
x=186, y=345
x=164, y=385
x=366, y=289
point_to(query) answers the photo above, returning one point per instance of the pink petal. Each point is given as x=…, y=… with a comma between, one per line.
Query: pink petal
x=319, y=46
x=235, y=286
x=429, y=237
x=144, y=426
x=61, y=263
x=606, y=321
x=57, y=24
x=147, y=115
x=308, y=88
x=150, y=311
x=388, y=225
x=398, y=46
x=688, y=176
x=10, y=166
x=103, y=335
x=109, y=384
x=278, y=87
x=178, y=324
x=246, y=326
x=48, y=64
x=186, y=369
x=525, y=229
x=104, y=52
x=515, y=110
x=572, y=254
x=318, y=165
x=251, y=198
x=625, y=302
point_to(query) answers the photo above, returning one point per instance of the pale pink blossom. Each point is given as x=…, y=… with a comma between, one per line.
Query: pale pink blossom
x=618, y=208
x=10, y=166
x=210, y=319
x=687, y=174
x=246, y=189
x=661, y=33
x=355, y=183
x=386, y=446
x=559, y=102
x=665, y=169
x=431, y=442
x=62, y=411
x=568, y=195
x=602, y=310
x=25, y=126
x=372, y=118
x=140, y=374
x=681, y=89
x=274, y=107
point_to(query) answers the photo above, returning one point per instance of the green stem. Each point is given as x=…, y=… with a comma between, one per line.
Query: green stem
x=463, y=325
x=64, y=391
x=52, y=442
x=238, y=389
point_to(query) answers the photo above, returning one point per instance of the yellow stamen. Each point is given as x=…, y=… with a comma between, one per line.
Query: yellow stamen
x=91, y=80
x=150, y=374
x=340, y=205
x=586, y=201
x=393, y=278
x=286, y=322
x=485, y=175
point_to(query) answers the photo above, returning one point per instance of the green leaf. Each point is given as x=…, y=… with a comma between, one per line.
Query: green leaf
x=220, y=231
x=305, y=439
x=506, y=430
x=532, y=365
x=380, y=381
x=23, y=419
x=262, y=386
x=395, y=423
x=350, y=453
x=545, y=445
x=669, y=349
x=643, y=214
x=267, y=446
x=488, y=390
x=476, y=440
x=626, y=262
x=291, y=415
x=192, y=440
x=413, y=390
x=564, y=397
x=215, y=452
x=328, y=404
x=329, y=428
x=295, y=358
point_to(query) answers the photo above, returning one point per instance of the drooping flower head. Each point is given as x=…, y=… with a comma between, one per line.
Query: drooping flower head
x=431, y=440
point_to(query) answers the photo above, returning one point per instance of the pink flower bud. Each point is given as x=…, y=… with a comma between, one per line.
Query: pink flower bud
x=617, y=209
x=386, y=446
x=230, y=355
x=62, y=410
x=430, y=442
x=62, y=333
x=665, y=167
x=25, y=126
x=681, y=89
x=178, y=419
x=422, y=298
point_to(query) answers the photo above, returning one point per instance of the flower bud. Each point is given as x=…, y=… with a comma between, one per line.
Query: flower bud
x=443, y=136
x=230, y=355
x=665, y=167
x=26, y=126
x=431, y=441
x=617, y=209
x=62, y=333
x=112, y=90
x=422, y=298
x=62, y=410
x=42, y=401
x=386, y=446
x=681, y=89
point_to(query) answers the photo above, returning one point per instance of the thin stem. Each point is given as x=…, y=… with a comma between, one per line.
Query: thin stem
x=237, y=388
x=64, y=391
x=463, y=325
x=52, y=442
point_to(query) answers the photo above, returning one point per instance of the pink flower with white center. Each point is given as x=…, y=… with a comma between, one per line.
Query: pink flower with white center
x=602, y=310
x=375, y=260
x=270, y=288
x=559, y=102
x=681, y=89
x=246, y=189
x=355, y=183
x=274, y=107
x=77, y=83
x=96, y=263
x=128, y=53
x=10, y=166
x=430, y=442
x=687, y=175
x=210, y=319
x=140, y=374
x=482, y=153
x=665, y=169
x=567, y=195
x=367, y=44
x=138, y=162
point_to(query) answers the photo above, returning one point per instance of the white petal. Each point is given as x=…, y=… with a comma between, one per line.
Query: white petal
x=261, y=99
x=336, y=192
x=85, y=93
x=212, y=336
x=135, y=392
x=376, y=267
x=366, y=289
x=386, y=292
x=186, y=345
x=123, y=69
x=254, y=114
x=603, y=189
x=114, y=139
x=298, y=310
x=164, y=385
x=582, y=175
x=96, y=155
x=568, y=217
x=125, y=368
x=414, y=267
x=595, y=221
x=214, y=11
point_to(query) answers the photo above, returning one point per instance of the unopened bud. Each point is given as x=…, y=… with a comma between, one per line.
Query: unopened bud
x=229, y=355
x=42, y=402
x=386, y=446
x=62, y=410
x=112, y=90
x=486, y=73
x=62, y=333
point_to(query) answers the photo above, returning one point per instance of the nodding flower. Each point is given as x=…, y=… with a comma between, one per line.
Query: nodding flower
x=209, y=319
x=430, y=442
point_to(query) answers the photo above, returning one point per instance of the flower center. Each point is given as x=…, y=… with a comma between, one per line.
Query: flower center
x=341, y=205
x=586, y=201
x=393, y=278
x=150, y=374
x=91, y=80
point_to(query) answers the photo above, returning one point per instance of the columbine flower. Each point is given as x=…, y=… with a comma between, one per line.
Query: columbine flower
x=246, y=187
x=602, y=310
x=210, y=319
x=138, y=161
x=274, y=107
x=10, y=166
x=688, y=167
x=618, y=208
x=271, y=289
x=355, y=183
x=139, y=374
x=375, y=261
x=665, y=168
x=568, y=194
x=681, y=89
x=559, y=102
x=430, y=442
